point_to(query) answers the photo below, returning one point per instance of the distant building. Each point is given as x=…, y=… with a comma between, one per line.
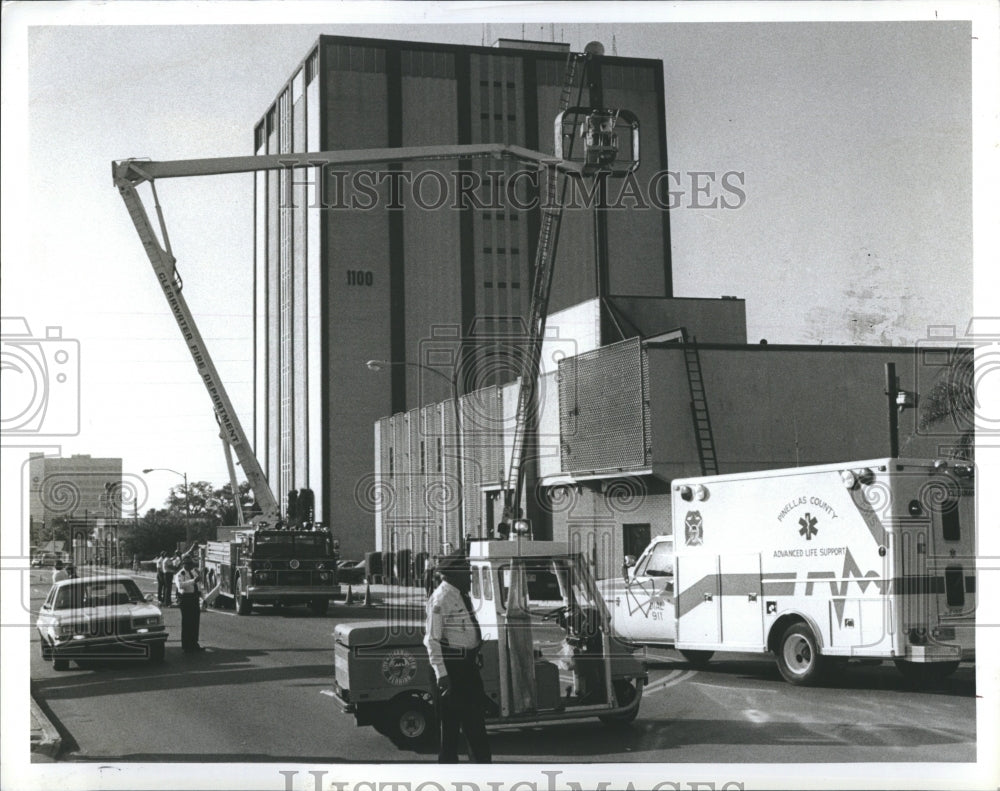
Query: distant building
x=82, y=490
x=337, y=286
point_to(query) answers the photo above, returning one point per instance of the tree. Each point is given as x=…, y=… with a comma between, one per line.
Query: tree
x=226, y=503
x=157, y=531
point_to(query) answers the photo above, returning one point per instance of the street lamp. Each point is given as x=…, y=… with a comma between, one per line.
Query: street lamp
x=187, y=499
x=378, y=365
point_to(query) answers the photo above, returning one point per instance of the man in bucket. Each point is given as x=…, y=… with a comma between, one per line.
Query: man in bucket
x=453, y=640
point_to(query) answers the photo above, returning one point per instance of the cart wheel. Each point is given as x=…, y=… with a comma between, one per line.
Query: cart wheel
x=626, y=691
x=243, y=604
x=156, y=653
x=799, y=659
x=410, y=723
x=697, y=658
x=319, y=607
x=925, y=674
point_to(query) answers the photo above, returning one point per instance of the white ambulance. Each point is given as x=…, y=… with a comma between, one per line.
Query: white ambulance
x=817, y=565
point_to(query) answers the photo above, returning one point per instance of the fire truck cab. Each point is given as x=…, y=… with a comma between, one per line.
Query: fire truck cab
x=548, y=652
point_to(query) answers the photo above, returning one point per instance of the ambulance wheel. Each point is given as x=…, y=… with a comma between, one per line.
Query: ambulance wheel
x=243, y=604
x=697, y=658
x=799, y=659
x=626, y=691
x=925, y=674
x=410, y=723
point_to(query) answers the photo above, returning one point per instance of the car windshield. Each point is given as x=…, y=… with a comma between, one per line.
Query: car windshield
x=98, y=593
x=291, y=545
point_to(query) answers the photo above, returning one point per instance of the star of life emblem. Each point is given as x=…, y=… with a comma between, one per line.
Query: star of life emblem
x=693, y=529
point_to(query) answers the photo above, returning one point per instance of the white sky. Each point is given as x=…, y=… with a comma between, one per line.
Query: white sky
x=856, y=138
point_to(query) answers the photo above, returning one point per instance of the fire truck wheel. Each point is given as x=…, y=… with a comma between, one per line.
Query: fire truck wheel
x=243, y=604
x=925, y=674
x=626, y=691
x=319, y=607
x=409, y=722
x=799, y=659
x=697, y=658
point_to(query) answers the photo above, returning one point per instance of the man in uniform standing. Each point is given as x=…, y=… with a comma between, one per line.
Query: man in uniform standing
x=190, y=603
x=453, y=640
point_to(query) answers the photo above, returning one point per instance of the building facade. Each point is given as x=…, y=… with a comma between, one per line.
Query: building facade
x=423, y=265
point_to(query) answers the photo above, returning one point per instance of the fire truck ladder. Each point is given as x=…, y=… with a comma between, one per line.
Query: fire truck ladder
x=699, y=410
x=548, y=241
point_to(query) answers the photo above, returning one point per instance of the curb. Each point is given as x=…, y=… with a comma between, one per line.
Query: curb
x=45, y=739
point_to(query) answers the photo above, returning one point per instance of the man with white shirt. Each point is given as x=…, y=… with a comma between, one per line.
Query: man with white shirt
x=189, y=598
x=453, y=641
x=59, y=573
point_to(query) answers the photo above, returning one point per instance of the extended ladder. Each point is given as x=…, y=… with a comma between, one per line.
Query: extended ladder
x=548, y=241
x=699, y=411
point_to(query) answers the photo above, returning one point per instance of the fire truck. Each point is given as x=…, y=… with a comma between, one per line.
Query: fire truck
x=274, y=567
x=871, y=560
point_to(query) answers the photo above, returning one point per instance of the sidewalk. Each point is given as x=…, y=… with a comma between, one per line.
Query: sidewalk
x=45, y=739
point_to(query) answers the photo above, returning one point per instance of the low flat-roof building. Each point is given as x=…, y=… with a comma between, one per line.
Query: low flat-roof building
x=617, y=423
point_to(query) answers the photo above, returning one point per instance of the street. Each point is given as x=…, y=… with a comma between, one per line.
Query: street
x=261, y=693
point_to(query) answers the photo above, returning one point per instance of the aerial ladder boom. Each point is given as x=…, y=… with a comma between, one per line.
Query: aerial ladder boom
x=601, y=150
x=129, y=174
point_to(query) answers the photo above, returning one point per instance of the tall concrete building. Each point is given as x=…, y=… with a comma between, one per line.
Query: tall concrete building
x=79, y=487
x=355, y=264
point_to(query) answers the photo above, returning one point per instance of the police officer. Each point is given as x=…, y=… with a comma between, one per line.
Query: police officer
x=453, y=641
x=189, y=598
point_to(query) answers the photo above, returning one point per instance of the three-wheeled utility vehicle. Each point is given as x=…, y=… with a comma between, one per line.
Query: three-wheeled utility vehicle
x=548, y=652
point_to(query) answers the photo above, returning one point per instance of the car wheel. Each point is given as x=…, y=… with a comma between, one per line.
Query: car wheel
x=46, y=651
x=799, y=659
x=60, y=663
x=243, y=604
x=697, y=658
x=156, y=653
x=410, y=723
x=626, y=692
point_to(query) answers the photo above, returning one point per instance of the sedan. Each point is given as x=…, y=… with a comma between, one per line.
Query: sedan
x=99, y=616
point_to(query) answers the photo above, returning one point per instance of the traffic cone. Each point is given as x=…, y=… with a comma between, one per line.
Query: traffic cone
x=350, y=597
x=368, y=595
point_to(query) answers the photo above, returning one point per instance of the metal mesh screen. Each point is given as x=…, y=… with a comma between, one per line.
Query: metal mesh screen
x=603, y=418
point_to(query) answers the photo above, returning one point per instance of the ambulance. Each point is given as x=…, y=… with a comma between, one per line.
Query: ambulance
x=815, y=565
